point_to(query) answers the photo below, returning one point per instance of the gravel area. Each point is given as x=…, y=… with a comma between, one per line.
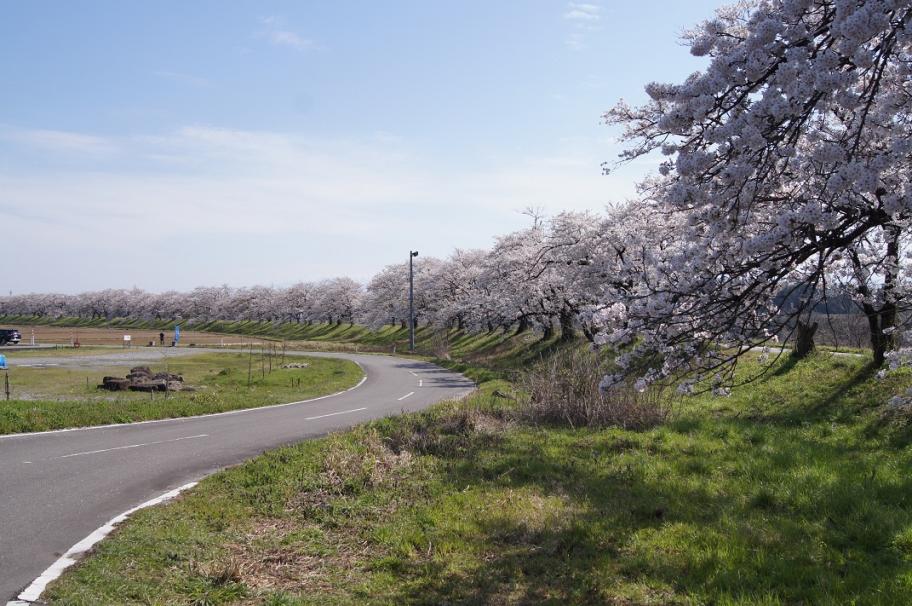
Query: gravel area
x=153, y=355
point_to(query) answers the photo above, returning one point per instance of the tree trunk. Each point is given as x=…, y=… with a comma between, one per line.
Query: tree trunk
x=590, y=336
x=566, y=324
x=883, y=319
x=549, y=330
x=804, y=339
x=523, y=324
x=880, y=320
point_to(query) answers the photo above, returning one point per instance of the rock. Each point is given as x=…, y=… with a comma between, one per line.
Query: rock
x=296, y=365
x=114, y=384
x=142, y=379
x=167, y=376
x=149, y=386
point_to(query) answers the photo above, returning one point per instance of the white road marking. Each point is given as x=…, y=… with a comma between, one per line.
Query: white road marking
x=88, y=452
x=411, y=393
x=35, y=365
x=413, y=374
x=27, y=462
x=420, y=383
x=332, y=414
x=33, y=591
x=182, y=419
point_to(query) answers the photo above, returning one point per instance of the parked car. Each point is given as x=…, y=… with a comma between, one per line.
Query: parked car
x=9, y=335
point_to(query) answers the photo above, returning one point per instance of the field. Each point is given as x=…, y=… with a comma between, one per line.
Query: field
x=58, y=390
x=61, y=335
x=792, y=491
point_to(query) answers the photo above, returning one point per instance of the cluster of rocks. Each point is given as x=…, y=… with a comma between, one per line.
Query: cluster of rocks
x=296, y=365
x=141, y=378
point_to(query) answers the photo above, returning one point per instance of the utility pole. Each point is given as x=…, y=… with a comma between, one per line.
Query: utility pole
x=412, y=255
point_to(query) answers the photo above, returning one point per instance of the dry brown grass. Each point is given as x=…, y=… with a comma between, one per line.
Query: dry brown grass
x=275, y=554
x=564, y=389
x=267, y=560
x=114, y=336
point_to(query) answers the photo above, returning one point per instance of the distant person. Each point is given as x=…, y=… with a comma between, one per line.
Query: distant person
x=161, y=339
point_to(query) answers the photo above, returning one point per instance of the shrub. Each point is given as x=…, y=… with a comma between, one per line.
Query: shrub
x=564, y=389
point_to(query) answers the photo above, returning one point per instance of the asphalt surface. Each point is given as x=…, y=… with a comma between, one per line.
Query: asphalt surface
x=56, y=488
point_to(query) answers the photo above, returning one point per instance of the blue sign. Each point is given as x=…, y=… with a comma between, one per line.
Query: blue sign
x=3, y=365
x=177, y=334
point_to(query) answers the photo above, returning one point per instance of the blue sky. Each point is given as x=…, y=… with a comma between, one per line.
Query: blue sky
x=174, y=144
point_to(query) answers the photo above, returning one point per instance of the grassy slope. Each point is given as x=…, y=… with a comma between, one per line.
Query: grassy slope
x=316, y=336
x=793, y=490
x=67, y=397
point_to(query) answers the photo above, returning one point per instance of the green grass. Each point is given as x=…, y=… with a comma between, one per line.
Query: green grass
x=61, y=397
x=794, y=490
x=336, y=337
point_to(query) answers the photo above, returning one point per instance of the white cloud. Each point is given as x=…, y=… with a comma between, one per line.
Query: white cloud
x=278, y=34
x=583, y=12
x=337, y=200
x=286, y=38
x=583, y=18
x=60, y=141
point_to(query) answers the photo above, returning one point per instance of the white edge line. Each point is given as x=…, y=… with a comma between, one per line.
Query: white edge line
x=178, y=419
x=411, y=393
x=333, y=414
x=31, y=593
x=128, y=446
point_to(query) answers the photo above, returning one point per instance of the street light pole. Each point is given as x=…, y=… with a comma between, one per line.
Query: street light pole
x=412, y=255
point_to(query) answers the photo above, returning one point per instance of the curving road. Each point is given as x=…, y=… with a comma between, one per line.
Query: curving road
x=58, y=487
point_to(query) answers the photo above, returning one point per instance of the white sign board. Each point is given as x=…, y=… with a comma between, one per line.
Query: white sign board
x=128, y=338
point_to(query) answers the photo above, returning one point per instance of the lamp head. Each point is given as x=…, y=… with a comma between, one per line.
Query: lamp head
x=414, y=253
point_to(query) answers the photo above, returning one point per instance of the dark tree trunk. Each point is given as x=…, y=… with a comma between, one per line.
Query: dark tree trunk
x=523, y=324
x=590, y=336
x=884, y=318
x=878, y=321
x=804, y=339
x=549, y=330
x=566, y=324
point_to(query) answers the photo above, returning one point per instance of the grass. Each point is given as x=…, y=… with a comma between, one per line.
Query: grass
x=61, y=397
x=319, y=336
x=794, y=490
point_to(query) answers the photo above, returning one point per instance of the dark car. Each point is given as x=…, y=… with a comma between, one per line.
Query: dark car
x=9, y=335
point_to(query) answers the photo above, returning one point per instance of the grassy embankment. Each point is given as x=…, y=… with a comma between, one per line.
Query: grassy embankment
x=342, y=337
x=327, y=333
x=793, y=490
x=59, y=397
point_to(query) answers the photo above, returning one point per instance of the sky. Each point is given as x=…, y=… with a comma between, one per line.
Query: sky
x=172, y=144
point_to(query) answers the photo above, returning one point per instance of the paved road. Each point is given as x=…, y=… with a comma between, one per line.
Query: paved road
x=56, y=488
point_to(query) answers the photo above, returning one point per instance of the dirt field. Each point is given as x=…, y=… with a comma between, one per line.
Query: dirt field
x=115, y=336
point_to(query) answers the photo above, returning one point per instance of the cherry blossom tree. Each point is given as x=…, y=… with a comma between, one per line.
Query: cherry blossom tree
x=787, y=159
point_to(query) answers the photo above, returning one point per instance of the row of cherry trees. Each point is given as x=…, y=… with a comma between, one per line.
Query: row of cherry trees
x=784, y=181
x=537, y=277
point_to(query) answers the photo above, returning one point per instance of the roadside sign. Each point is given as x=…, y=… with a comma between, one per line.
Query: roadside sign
x=177, y=334
x=3, y=365
x=127, y=340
